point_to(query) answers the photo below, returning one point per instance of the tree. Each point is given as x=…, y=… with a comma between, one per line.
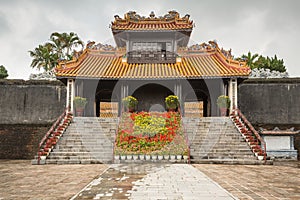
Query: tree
x=274, y=64
x=277, y=64
x=3, y=72
x=250, y=59
x=261, y=62
x=66, y=42
x=58, y=48
x=44, y=57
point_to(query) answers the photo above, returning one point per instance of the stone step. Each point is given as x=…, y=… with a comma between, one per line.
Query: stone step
x=217, y=142
x=219, y=156
x=219, y=139
x=216, y=150
x=80, y=153
x=108, y=144
x=86, y=141
x=83, y=146
x=78, y=161
x=62, y=157
x=230, y=161
x=216, y=139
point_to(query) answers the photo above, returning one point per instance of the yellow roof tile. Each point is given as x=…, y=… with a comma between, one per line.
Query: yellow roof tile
x=102, y=66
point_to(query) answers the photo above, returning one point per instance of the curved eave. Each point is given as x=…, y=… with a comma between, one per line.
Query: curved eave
x=149, y=78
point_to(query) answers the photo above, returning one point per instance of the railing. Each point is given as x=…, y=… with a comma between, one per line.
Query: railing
x=51, y=137
x=151, y=57
x=248, y=131
x=186, y=136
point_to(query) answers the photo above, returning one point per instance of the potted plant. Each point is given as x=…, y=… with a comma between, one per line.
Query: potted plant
x=172, y=102
x=223, y=103
x=260, y=155
x=130, y=103
x=117, y=155
x=79, y=103
x=185, y=155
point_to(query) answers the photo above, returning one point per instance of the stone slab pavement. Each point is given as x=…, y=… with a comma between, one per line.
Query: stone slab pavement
x=21, y=180
x=256, y=181
x=152, y=182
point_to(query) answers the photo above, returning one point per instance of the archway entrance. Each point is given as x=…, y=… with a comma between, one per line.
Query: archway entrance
x=107, y=102
x=197, y=104
x=151, y=97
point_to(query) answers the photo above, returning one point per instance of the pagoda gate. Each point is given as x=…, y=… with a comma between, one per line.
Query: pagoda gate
x=152, y=60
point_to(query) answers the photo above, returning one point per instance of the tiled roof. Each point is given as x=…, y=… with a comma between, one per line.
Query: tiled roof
x=194, y=64
x=134, y=22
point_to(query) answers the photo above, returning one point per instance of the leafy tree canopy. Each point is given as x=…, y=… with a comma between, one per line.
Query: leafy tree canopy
x=3, y=72
x=261, y=62
x=59, y=47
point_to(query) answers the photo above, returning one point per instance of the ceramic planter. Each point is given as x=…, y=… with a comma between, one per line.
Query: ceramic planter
x=172, y=157
x=147, y=157
x=135, y=157
x=117, y=157
x=260, y=157
x=160, y=157
x=178, y=157
x=142, y=157
x=185, y=158
x=123, y=157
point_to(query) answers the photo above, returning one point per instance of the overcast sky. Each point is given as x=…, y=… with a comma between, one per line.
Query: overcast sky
x=267, y=27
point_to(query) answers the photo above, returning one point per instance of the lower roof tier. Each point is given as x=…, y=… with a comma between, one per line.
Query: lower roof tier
x=93, y=65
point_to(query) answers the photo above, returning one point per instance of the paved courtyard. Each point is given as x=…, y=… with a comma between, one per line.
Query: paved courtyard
x=21, y=180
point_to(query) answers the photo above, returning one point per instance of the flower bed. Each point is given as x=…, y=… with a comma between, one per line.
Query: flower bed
x=155, y=133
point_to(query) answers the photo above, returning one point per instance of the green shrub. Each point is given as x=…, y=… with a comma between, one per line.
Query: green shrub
x=172, y=102
x=223, y=101
x=130, y=102
x=79, y=102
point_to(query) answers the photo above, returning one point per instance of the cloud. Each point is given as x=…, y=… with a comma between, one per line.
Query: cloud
x=267, y=27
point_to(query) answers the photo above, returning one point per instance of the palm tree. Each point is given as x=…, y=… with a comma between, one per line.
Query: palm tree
x=66, y=42
x=57, y=46
x=44, y=57
x=250, y=59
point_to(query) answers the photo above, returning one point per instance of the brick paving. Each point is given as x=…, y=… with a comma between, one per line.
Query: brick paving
x=21, y=180
x=256, y=182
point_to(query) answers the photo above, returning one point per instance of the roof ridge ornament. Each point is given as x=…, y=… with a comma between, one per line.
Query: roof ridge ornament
x=105, y=47
x=170, y=21
x=152, y=15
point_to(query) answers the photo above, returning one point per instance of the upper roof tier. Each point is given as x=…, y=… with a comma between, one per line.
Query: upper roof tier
x=169, y=22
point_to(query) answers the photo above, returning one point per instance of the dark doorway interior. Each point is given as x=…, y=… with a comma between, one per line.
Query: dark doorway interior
x=151, y=97
x=106, y=99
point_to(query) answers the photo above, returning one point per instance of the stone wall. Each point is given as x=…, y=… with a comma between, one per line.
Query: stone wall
x=31, y=102
x=27, y=111
x=20, y=141
x=271, y=101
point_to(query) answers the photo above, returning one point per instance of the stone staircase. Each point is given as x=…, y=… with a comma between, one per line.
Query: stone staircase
x=216, y=140
x=87, y=140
